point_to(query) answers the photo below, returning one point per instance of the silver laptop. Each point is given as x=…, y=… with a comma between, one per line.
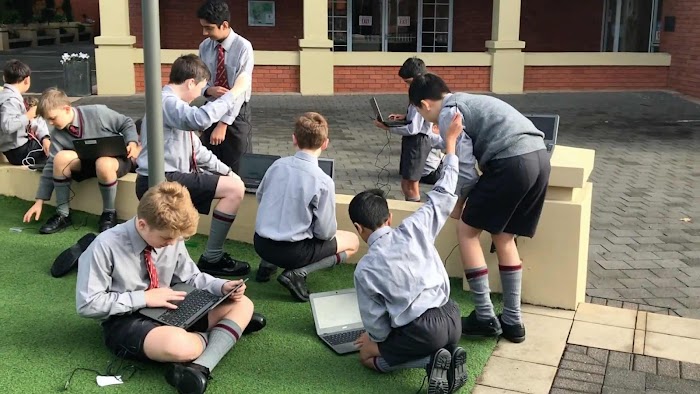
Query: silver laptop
x=328, y=166
x=549, y=125
x=337, y=319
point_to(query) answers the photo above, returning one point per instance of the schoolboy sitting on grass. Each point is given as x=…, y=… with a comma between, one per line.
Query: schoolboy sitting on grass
x=403, y=290
x=63, y=165
x=133, y=265
x=296, y=227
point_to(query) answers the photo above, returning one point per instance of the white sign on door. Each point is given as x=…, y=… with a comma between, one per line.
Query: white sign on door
x=404, y=21
x=365, y=20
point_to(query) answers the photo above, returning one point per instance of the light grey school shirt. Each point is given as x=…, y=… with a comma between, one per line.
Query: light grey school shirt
x=238, y=58
x=14, y=121
x=402, y=275
x=296, y=201
x=112, y=275
x=180, y=119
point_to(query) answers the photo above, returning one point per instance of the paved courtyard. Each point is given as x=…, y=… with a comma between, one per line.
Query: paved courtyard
x=645, y=228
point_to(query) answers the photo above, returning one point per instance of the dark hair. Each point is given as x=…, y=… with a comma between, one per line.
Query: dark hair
x=311, y=130
x=189, y=66
x=15, y=71
x=369, y=209
x=412, y=68
x=427, y=87
x=214, y=11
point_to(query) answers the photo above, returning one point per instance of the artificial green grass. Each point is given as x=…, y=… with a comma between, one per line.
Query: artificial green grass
x=43, y=339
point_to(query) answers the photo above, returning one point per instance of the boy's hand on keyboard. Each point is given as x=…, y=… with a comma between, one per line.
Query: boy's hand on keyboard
x=162, y=296
x=238, y=294
x=362, y=340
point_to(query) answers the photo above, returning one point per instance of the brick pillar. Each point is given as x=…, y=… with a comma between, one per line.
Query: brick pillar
x=684, y=45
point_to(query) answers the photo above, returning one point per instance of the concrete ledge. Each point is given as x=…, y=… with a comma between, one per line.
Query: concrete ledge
x=555, y=261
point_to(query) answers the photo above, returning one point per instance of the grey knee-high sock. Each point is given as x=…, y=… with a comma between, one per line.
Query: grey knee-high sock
x=327, y=262
x=222, y=337
x=204, y=336
x=62, y=186
x=478, y=279
x=220, y=224
x=511, y=280
x=109, y=196
x=381, y=365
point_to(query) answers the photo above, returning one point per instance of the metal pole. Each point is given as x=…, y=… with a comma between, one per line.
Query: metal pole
x=154, y=103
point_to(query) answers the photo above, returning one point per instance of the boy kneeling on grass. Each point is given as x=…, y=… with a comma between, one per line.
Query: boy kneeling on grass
x=403, y=290
x=133, y=265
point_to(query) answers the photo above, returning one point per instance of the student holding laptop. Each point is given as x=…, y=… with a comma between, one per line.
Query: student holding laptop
x=63, y=165
x=135, y=265
x=403, y=290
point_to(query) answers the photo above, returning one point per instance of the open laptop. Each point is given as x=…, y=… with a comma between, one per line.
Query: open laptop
x=252, y=169
x=196, y=304
x=380, y=118
x=94, y=148
x=337, y=319
x=549, y=125
x=328, y=166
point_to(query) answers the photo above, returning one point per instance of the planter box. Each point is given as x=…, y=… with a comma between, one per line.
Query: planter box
x=77, y=78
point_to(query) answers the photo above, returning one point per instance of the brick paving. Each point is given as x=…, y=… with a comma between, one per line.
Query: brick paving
x=590, y=370
x=645, y=180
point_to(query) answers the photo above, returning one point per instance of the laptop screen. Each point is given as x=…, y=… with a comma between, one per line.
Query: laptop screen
x=326, y=165
x=548, y=124
x=336, y=310
x=254, y=166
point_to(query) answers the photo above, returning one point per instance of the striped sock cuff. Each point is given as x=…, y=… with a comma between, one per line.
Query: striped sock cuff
x=230, y=327
x=108, y=184
x=61, y=180
x=476, y=273
x=510, y=268
x=224, y=217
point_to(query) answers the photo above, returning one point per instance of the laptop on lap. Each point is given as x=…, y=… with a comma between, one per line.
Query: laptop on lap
x=252, y=169
x=90, y=149
x=337, y=319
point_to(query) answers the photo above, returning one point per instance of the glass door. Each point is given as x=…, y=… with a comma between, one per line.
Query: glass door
x=436, y=26
x=338, y=24
x=367, y=25
x=629, y=25
x=402, y=29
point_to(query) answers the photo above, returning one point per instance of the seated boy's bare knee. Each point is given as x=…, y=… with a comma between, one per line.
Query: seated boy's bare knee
x=230, y=188
x=106, y=167
x=172, y=344
x=63, y=159
x=347, y=242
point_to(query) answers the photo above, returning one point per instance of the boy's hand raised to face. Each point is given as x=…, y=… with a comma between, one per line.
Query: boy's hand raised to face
x=161, y=297
x=453, y=132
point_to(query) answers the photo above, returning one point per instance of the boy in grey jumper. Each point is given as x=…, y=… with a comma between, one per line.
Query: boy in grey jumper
x=24, y=138
x=403, y=290
x=193, y=165
x=506, y=200
x=296, y=228
x=70, y=124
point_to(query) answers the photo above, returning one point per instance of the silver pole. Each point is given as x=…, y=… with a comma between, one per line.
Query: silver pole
x=154, y=103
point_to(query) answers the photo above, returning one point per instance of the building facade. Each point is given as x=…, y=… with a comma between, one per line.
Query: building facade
x=502, y=46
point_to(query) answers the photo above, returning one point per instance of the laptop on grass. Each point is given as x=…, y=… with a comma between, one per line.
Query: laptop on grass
x=197, y=303
x=90, y=149
x=337, y=319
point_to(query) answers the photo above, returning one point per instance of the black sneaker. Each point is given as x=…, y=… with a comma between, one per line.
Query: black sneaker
x=265, y=272
x=295, y=283
x=108, y=219
x=68, y=259
x=457, y=374
x=475, y=328
x=438, y=370
x=226, y=266
x=188, y=378
x=56, y=223
x=512, y=332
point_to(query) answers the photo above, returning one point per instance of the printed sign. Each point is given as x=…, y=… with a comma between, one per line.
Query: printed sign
x=365, y=20
x=404, y=21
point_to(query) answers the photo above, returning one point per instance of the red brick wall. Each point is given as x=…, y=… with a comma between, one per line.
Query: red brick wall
x=684, y=45
x=385, y=80
x=561, y=26
x=595, y=78
x=471, y=26
x=180, y=28
x=266, y=79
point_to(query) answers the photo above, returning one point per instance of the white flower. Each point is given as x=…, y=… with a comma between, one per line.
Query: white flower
x=74, y=57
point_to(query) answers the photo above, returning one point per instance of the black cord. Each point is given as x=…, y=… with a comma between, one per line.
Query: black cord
x=450, y=254
x=379, y=184
x=115, y=367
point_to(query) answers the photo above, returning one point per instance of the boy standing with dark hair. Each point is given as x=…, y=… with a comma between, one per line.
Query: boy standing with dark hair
x=63, y=165
x=403, y=290
x=228, y=56
x=193, y=165
x=506, y=200
x=134, y=265
x=23, y=136
x=296, y=227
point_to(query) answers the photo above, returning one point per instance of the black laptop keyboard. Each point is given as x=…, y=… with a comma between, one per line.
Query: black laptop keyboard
x=193, y=303
x=343, y=337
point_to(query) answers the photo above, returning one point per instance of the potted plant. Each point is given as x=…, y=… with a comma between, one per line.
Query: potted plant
x=77, y=74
